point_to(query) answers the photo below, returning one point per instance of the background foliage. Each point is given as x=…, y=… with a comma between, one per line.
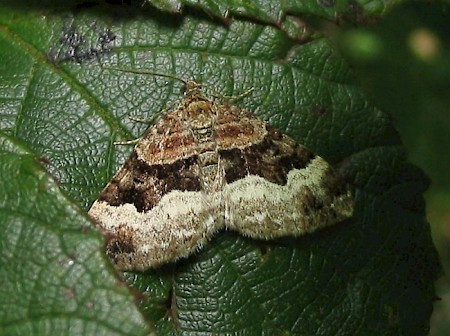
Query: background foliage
x=403, y=65
x=60, y=113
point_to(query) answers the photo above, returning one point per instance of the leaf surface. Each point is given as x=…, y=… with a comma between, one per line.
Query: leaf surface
x=54, y=276
x=370, y=275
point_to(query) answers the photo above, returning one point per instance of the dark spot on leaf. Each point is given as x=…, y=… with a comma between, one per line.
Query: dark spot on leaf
x=85, y=229
x=320, y=110
x=327, y=3
x=81, y=45
x=90, y=305
x=69, y=293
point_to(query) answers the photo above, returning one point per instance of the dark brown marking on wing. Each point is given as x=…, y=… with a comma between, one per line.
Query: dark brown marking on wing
x=271, y=159
x=143, y=185
x=121, y=242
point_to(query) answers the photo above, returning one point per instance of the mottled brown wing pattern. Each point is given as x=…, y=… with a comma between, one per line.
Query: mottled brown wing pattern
x=205, y=166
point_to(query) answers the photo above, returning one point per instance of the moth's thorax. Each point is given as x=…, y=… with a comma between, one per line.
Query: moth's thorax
x=199, y=126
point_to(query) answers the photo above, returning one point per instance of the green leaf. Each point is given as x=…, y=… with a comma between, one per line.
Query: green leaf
x=273, y=11
x=54, y=277
x=371, y=275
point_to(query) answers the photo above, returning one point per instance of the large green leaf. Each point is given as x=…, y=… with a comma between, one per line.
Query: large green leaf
x=370, y=275
x=54, y=278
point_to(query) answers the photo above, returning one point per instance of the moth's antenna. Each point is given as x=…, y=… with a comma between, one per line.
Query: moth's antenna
x=143, y=72
x=191, y=87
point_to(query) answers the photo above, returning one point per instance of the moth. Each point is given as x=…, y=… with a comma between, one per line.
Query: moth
x=209, y=165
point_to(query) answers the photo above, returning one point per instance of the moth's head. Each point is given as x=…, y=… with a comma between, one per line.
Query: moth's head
x=192, y=88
